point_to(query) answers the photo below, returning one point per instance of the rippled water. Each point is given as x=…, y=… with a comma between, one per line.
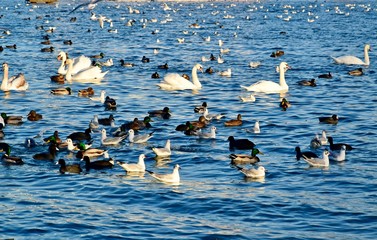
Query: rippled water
x=214, y=200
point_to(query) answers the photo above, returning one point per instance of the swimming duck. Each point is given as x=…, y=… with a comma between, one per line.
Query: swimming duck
x=307, y=154
x=276, y=54
x=245, y=158
x=98, y=56
x=12, y=159
x=209, y=70
x=155, y=75
x=315, y=142
x=356, y=72
x=11, y=120
x=34, y=116
x=49, y=49
x=184, y=127
x=97, y=165
x=64, y=168
x=50, y=155
x=330, y=120
x=62, y=91
x=67, y=42
x=53, y=138
x=338, y=146
x=164, y=66
x=201, y=123
x=58, y=78
x=310, y=82
x=86, y=92
x=145, y=59
x=106, y=121
x=234, y=122
x=91, y=152
x=134, y=167
x=126, y=64
x=81, y=136
x=241, y=144
x=260, y=172
x=284, y=104
x=326, y=75
x=110, y=103
x=164, y=113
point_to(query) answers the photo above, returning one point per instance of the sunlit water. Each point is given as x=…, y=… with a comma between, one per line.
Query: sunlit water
x=214, y=200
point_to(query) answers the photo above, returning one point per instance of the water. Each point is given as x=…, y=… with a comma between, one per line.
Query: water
x=214, y=200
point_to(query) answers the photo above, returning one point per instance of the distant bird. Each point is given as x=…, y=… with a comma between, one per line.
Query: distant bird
x=226, y=73
x=208, y=135
x=209, y=70
x=249, y=98
x=164, y=66
x=49, y=49
x=34, y=116
x=106, y=121
x=64, y=168
x=134, y=167
x=256, y=128
x=171, y=178
x=240, y=144
x=356, y=72
x=260, y=172
x=339, y=156
x=164, y=113
x=310, y=82
x=318, y=162
x=61, y=91
x=245, y=158
x=91, y=5
x=330, y=120
x=338, y=146
x=145, y=59
x=110, y=103
x=155, y=75
x=284, y=104
x=307, y=154
x=86, y=92
x=326, y=75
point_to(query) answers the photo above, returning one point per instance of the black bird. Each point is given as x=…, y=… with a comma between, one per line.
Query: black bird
x=241, y=144
x=50, y=155
x=97, y=165
x=106, y=121
x=307, y=154
x=145, y=59
x=331, y=120
x=83, y=4
x=164, y=113
x=326, y=75
x=74, y=168
x=155, y=75
x=338, y=146
x=165, y=66
x=110, y=102
x=310, y=82
x=201, y=109
x=81, y=136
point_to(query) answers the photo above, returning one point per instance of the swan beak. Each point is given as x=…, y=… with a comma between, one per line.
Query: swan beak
x=201, y=69
x=59, y=58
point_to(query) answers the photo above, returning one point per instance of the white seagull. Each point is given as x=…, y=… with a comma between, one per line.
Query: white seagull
x=110, y=140
x=172, y=178
x=211, y=134
x=163, y=152
x=318, y=162
x=339, y=156
x=260, y=172
x=134, y=167
x=138, y=138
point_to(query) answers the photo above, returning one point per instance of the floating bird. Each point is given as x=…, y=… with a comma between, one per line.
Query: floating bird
x=12, y=160
x=256, y=128
x=249, y=98
x=318, y=162
x=270, y=86
x=79, y=64
x=106, y=121
x=81, y=136
x=34, y=116
x=356, y=72
x=164, y=113
x=90, y=73
x=49, y=49
x=11, y=120
x=61, y=91
x=172, y=178
x=97, y=165
x=138, y=138
x=352, y=60
x=165, y=66
x=91, y=152
x=155, y=75
x=260, y=172
x=200, y=109
x=134, y=167
x=174, y=81
x=64, y=168
x=276, y=54
x=315, y=142
x=110, y=103
x=245, y=158
x=211, y=134
x=110, y=140
x=323, y=138
x=307, y=154
x=234, y=122
x=53, y=138
x=226, y=73
x=284, y=104
x=240, y=144
x=338, y=146
x=310, y=82
x=50, y=155
x=330, y=120
x=101, y=98
x=16, y=82
x=86, y=92
x=145, y=59
x=163, y=152
x=126, y=64
x=254, y=64
x=209, y=70
x=325, y=75
x=339, y=156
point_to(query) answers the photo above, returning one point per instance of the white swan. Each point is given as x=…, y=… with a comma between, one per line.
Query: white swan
x=79, y=63
x=269, y=86
x=354, y=60
x=17, y=82
x=91, y=73
x=174, y=81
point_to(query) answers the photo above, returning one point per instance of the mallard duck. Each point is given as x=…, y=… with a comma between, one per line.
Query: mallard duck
x=201, y=123
x=245, y=158
x=234, y=122
x=284, y=104
x=86, y=92
x=12, y=159
x=356, y=72
x=98, y=56
x=310, y=82
x=276, y=54
x=53, y=138
x=164, y=113
x=58, y=78
x=91, y=152
x=64, y=168
x=34, y=116
x=12, y=120
x=62, y=91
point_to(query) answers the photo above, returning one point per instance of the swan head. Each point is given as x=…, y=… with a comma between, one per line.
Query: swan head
x=368, y=48
x=284, y=66
x=5, y=66
x=62, y=56
x=198, y=66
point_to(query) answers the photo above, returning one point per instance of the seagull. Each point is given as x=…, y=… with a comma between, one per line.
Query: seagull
x=138, y=138
x=167, y=178
x=134, y=167
x=249, y=98
x=163, y=152
x=339, y=156
x=260, y=172
x=110, y=140
x=91, y=5
x=256, y=128
x=318, y=162
x=211, y=134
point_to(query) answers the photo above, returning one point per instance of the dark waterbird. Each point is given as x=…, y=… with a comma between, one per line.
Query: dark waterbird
x=164, y=113
x=326, y=75
x=50, y=155
x=245, y=158
x=74, y=168
x=97, y=165
x=306, y=154
x=81, y=136
x=240, y=144
x=330, y=120
x=338, y=146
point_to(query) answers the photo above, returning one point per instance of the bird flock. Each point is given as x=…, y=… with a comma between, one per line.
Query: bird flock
x=90, y=69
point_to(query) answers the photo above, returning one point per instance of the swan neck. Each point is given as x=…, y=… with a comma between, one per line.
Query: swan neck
x=366, y=56
x=195, y=79
x=282, y=78
x=68, y=75
x=4, y=84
